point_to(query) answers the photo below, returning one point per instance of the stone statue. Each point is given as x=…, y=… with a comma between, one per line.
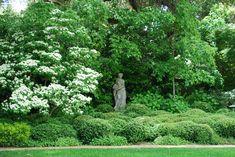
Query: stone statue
x=119, y=93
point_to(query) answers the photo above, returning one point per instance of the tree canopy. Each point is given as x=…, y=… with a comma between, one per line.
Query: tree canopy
x=57, y=58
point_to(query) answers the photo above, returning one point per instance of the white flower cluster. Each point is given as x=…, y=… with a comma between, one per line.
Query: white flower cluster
x=188, y=62
x=59, y=29
x=84, y=53
x=29, y=63
x=85, y=80
x=37, y=43
x=54, y=56
x=230, y=94
x=44, y=70
x=66, y=98
x=75, y=102
x=18, y=36
x=56, y=12
x=45, y=73
x=4, y=68
x=5, y=45
x=23, y=100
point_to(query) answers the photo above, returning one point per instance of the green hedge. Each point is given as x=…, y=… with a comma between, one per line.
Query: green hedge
x=111, y=115
x=221, y=124
x=62, y=141
x=104, y=108
x=89, y=129
x=67, y=141
x=203, y=106
x=170, y=140
x=110, y=141
x=51, y=132
x=135, y=110
x=117, y=125
x=14, y=134
x=224, y=126
x=198, y=133
x=151, y=126
x=134, y=132
x=80, y=120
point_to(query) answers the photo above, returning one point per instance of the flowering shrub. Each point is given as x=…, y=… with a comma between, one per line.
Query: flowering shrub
x=48, y=66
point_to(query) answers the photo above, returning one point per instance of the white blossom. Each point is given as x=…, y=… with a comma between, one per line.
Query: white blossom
x=46, y=70
x=29, y=63
x=188, y=61
x=56, y=11
x=53, y=56
x=22, y=100
x=46, y=61
x=4, y=68
x=177, y=57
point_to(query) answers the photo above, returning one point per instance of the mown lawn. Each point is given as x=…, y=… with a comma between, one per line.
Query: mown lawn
x=132, y=152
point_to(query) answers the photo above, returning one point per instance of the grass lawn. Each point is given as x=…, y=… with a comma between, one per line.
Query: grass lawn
x=130, y=152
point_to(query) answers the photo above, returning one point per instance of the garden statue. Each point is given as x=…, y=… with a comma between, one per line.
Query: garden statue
x=119, y=93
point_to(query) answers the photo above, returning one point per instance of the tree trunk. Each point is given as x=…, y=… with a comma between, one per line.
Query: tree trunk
x=173, y=86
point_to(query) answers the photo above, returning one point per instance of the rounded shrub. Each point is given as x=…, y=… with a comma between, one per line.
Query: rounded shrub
x=198, y=133
x=195, y=112
x=33, y=143
x=97, y=115
x=170, y=140
x=93, y=128
x=104, y=108
x=117, y=125
x=110, y=141
x=203, y=120
x=14, y=134
x=230, y=114
x=111, y=115
x=51, y=131
x=223, y=110
x=132, y=114
x=137, y=109
x=151, y=127
x=157, y=113
x=224, y=126
x=165, y=118
x=134, y=132
x=80, y=120
x=203, y=106
x=118, y=115
x=67, y=141
x=146, y=120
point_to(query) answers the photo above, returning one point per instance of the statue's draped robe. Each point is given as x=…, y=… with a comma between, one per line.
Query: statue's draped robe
x=119, y=93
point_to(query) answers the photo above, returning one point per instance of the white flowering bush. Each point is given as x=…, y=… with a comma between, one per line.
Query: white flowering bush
x=48, y=65
x=230, y=94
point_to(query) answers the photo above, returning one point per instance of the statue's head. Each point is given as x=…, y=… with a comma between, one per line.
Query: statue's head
x=120, y=75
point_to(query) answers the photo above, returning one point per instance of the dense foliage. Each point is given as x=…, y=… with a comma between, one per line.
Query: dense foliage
x=14, y=134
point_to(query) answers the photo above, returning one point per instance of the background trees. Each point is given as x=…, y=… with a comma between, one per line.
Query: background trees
x=164, y=47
